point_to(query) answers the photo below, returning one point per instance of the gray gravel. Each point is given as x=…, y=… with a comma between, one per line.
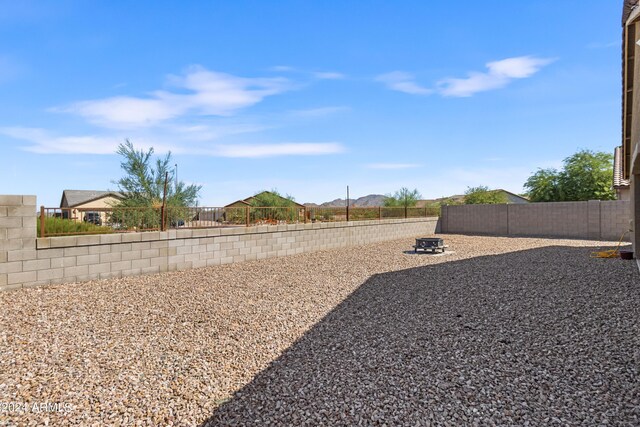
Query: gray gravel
x=504, y=331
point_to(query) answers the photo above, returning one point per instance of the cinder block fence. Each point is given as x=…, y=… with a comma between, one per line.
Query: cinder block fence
x=29, y=261
x=598, y=220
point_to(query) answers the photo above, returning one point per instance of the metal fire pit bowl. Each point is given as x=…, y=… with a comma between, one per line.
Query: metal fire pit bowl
x=429, y=244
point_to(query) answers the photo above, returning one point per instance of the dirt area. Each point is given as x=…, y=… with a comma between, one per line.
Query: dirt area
x=497, y=331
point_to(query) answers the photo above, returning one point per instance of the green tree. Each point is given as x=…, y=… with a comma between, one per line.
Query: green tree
x=279, y=207
x=143, y=186
x=543, y=186
x=272, y=199
x=481, y=195
x=403, y=198
x=450, y=201
x=586, y=175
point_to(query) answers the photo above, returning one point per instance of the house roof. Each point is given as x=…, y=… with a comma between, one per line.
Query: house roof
x=78, y=197
x=514, y=196
x=247, y=201
x=627, y=7
x=242, y=202
x=618, y=180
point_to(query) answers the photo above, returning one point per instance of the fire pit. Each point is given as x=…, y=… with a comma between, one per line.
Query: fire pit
x=429, y=244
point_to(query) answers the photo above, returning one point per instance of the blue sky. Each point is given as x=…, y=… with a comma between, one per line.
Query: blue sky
x=305, y=96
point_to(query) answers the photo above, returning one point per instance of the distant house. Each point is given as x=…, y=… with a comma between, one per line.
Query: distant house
x=620, y=185
x=74, y=203
x=513, y=198
x=456, y=198
x=248, y=201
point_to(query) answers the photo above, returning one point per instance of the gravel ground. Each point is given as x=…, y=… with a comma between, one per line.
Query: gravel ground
x=505, y=331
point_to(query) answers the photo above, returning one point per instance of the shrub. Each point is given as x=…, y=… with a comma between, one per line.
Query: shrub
x=55, y=225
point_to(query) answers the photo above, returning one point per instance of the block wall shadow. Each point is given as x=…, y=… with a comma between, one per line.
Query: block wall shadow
x=545, y=335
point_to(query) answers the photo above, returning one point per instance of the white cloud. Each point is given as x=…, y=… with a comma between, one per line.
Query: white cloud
x=123, y=111
x=319, y=112
x=43, y=142
x=403, y=82
x=198, y=91
x=517, y=68
x=329, y=75
x=499, y=74
x=600, y=45
x=393, y=165
x=197, y=132
x=283, y=149
x=322, y=75
x=282, y=68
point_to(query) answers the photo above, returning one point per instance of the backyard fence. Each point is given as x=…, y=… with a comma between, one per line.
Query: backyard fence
x=593, y=219
x=26, y=260
x=64, y=222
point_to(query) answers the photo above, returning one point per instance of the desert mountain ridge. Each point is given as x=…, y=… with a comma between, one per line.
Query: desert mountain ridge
x=365, y=201
x=374, y=200
x=378, y=200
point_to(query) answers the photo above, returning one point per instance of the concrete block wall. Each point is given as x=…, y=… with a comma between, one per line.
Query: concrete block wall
x=594, y=219
x=615, y=219
x=17, y=238
x=485, y=219
x=562, y=219
x=29, y=261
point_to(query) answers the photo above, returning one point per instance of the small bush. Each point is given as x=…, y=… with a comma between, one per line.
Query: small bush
x=55, y=226
x=357, y=214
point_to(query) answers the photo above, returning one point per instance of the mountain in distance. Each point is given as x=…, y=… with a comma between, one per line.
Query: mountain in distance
x=366, y=201
x=374, y=200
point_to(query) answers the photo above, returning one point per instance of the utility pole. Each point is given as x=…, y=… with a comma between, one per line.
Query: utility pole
x=176, y=165
x=164, y=201
x=347, y=203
